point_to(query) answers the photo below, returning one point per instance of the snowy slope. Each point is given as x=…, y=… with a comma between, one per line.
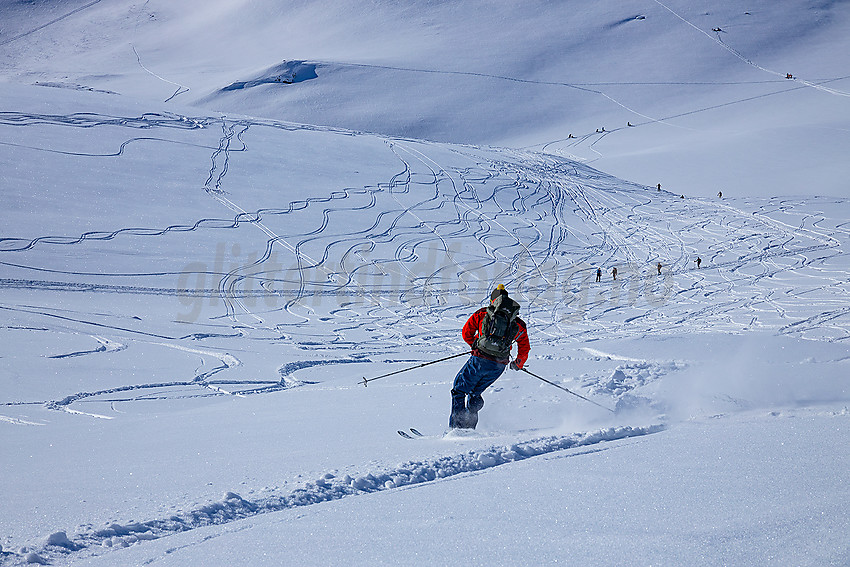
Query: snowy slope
x=190, y=298
x=206, y=338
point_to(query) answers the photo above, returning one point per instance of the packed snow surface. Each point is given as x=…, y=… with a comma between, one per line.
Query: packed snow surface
x=219, y=218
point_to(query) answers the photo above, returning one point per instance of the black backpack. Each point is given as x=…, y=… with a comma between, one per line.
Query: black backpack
x=498, y=328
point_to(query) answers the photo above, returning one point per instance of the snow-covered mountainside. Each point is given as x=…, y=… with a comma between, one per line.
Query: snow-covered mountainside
x=219, y=218
x=703, y=85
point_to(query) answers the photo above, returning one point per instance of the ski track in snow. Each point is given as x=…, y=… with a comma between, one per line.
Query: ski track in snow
x=17, y=421
x=180, y=389
x=59, y=546
x=106, y=345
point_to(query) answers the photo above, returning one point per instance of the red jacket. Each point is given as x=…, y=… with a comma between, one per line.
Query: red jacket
x=472, y=329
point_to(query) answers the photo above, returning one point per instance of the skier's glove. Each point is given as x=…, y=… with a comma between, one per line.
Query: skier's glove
x=516, y=365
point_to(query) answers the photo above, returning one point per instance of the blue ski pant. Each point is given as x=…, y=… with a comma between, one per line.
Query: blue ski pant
x=474, y=377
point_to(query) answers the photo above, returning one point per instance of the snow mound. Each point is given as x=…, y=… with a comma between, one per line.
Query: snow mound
x=33, y=558
x=286, y=73
x=60, y=539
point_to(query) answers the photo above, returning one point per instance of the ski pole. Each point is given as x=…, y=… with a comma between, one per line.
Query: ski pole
x=366, y=381
x=565, y=389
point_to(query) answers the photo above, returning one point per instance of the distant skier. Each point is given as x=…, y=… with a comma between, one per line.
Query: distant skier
x=658, y=267
x=614, y=272
x=659, y=187
x=490, y=331
x=720, y=194
x=599, y=274
x=699, y=261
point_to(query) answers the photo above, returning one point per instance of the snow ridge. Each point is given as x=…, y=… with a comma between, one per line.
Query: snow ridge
x=328, y=487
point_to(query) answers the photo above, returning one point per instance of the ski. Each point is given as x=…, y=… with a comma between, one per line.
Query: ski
x=407, y=435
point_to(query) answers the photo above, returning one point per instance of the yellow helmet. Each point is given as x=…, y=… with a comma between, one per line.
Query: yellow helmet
x=500, y=290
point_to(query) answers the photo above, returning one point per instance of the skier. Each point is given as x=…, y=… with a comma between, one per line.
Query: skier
x=599, y=274
x=699, y=261
x=720, y=194
x=658, y=266
x=490, y=331
x=614, y=272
